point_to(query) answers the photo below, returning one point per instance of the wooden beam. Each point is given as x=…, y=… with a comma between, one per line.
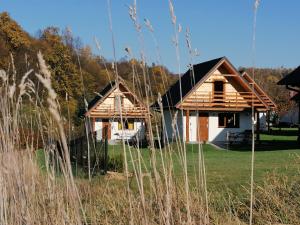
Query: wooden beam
x=118, y=116
x=93, y=125
x=187, y=126
x=212, y=109
x=229, y=75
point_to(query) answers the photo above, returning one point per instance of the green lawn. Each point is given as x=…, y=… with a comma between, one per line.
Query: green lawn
x=231, y=168
x=281, y=134
x=226, y=168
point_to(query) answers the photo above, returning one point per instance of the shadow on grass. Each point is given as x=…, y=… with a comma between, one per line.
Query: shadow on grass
x=282, y=132
x=272, y=145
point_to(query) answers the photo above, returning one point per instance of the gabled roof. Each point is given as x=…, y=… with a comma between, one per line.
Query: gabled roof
x=105, y=92
x=267, y=99
x=292, y=78
x=188, y=81
x=195, y=77
x=107, y=89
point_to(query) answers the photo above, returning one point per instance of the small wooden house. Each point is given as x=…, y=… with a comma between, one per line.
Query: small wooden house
x=212, y=100
x=120, y=111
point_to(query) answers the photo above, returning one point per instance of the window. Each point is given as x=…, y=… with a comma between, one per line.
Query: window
x=128, y=125
x=229, y=120
x=218, y=91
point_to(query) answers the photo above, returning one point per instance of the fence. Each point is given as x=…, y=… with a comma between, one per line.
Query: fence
x=88, y=154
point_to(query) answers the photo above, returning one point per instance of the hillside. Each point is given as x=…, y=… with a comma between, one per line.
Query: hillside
x=76, y=72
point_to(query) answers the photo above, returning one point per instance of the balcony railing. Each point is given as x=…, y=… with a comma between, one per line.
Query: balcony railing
x=111, y=111
x=225, y=100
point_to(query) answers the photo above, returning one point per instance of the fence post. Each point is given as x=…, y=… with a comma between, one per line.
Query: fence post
x=105, y=150
x=227, y=139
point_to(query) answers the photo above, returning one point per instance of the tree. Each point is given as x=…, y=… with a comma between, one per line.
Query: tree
x=65, y=74
x=12, y=33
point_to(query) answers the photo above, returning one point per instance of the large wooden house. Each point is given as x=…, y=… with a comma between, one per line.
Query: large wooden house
x=120, y=112
x=212, y=100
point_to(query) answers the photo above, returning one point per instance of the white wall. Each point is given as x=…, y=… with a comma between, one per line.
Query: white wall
x=139, y=129
x=219, y=134
x=193, y=126
x=116, y=134
x=263, y=121
x=214, y=132
x=193, y=119
x=98, y=129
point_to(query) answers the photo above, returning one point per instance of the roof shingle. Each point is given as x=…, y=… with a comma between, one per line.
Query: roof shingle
x=292, y=78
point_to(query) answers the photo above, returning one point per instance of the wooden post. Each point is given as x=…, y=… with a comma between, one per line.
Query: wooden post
x=105, y=150
x=187, y=125
x=257, y=127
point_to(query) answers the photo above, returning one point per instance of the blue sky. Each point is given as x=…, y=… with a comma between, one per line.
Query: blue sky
x=218, y=28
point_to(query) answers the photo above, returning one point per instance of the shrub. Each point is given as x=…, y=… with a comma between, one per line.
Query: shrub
x=116, y=163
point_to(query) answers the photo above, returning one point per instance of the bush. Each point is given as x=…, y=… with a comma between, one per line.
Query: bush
x=115, y=163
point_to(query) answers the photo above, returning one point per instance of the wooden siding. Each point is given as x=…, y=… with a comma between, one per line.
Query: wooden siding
x=130, y=107
x=234, y=96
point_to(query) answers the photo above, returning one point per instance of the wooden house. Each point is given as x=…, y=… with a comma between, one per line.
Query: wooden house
x=212, y=100
x=292, y=83
x=120, y=111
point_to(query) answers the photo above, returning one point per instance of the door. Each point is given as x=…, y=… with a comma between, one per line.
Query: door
x=203, y=127
x=106, y=129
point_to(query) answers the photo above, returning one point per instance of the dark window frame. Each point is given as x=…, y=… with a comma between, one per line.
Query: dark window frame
x=220, y=95
x=126, y=124
x=229, y=120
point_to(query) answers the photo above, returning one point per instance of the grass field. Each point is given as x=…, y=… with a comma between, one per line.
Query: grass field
x=228, y=178
x=228, y=169
x=231, y=168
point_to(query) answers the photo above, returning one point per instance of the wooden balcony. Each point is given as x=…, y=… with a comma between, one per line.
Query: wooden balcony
x=219, y=101
x=126, y=112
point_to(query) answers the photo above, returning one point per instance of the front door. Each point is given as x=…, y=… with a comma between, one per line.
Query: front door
x=203, y=127
x=106, y=129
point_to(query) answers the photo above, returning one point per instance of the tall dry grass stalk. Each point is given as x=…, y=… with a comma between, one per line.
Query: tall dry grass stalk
x=29, y=195
x=256, y=5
